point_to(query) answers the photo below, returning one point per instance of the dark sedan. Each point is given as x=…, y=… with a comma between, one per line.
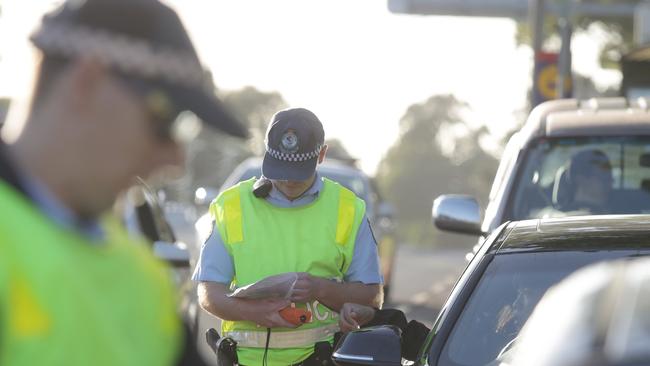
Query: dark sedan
x=502, y=284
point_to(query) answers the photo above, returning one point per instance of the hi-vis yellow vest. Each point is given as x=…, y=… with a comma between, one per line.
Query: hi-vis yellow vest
x=65, y=301
x=265, y=240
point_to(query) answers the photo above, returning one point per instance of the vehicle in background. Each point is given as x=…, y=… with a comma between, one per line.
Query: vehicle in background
x=379, y=212
x=533, y=180
x=597, y=316
x=144, y=217
x=503, y=282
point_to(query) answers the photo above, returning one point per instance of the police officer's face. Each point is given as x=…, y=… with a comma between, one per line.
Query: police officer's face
x=293, y=189
x=122, y=138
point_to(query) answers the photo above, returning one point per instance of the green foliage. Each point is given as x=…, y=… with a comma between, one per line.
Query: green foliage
x=336, y=150
x=212, y=155
x=430, y=159
x=255, y=108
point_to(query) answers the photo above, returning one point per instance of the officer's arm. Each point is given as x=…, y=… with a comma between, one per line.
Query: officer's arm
x=213, y=298
x=334, y=294
x=214, y=271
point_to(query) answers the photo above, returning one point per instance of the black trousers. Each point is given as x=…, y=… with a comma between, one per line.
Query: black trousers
x=322, y=355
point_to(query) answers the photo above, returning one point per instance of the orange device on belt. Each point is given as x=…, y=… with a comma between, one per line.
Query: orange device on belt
x=295, y=316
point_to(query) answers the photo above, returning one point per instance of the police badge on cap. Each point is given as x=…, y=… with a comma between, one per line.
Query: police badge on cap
x=289, y=142
x=294, y=141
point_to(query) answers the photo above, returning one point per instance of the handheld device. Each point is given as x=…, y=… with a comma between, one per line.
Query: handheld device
x=295, y=316
x=262, y=187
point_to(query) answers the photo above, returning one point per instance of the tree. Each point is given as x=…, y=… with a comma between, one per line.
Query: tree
x=212, y=155
x=437, y=152
x=336, y=150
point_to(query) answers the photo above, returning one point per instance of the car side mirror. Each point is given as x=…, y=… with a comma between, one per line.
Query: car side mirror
x=376, y=346
x=175, y=254
x=458, y=213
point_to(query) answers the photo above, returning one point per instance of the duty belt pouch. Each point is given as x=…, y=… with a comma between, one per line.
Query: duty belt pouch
x=226, y=352
x=322, y=355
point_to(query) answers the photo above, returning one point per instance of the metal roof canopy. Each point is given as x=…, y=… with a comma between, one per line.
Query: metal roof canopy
x=517, y=9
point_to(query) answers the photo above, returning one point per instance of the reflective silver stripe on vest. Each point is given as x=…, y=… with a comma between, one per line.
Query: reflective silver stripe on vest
x=289, y=339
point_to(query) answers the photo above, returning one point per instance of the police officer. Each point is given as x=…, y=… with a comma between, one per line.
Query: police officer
x=291, y=220
x=74, y=290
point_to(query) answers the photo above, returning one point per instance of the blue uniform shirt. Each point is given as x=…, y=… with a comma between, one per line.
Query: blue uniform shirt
x=56, y=211
x=216, y=265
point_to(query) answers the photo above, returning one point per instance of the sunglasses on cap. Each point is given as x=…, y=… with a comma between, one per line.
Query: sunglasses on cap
x=168, y=123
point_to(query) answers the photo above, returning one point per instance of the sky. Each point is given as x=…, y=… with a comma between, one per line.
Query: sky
x=353, y=63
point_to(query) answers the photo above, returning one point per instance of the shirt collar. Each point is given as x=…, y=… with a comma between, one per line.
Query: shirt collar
x=56, y=211
x=311, y=193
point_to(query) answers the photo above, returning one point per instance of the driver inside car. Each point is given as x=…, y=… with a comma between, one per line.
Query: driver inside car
x=589, y=175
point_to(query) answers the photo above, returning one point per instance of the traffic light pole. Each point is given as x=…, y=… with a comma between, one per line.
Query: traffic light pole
x=536, y=10
x=564, y=76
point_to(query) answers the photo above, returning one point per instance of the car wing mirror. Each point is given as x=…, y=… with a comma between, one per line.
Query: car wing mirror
x=373, y=346
x=175, y=254
x=459, y=213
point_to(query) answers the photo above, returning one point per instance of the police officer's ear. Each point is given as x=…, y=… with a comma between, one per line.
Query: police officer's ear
x=87, y=74
x=321, y=155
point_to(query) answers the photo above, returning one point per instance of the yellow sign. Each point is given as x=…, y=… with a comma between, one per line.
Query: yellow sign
x=547, y=81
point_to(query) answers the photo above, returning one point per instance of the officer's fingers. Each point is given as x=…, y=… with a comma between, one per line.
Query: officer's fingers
x=347, y=324
x=303, y=283
x=303, y=275
x=300, y=290
x=346, y=308
x=277, y=304
x=363, y=315
x=300, y=296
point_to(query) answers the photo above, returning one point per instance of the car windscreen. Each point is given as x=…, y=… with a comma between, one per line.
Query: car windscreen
x=504, y=298
x=582, y=176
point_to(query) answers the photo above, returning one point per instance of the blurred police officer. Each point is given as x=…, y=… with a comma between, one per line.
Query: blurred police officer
x=291, y=220
x=74, y=290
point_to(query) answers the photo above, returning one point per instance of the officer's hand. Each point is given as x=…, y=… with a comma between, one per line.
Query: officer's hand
x=307, y=288
x=265, y=313
x=353, y=316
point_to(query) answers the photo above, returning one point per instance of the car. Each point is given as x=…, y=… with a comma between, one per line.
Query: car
x=598, y=315
x=495, y=295
x=379, y=213
x=533, y=179
x=145, y=218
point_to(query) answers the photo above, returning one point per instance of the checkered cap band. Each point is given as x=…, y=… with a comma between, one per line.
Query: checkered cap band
x=128, y=54
x=294, y=157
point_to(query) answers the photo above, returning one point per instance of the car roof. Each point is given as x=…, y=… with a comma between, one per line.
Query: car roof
x=592, y=117
x=576, y=233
